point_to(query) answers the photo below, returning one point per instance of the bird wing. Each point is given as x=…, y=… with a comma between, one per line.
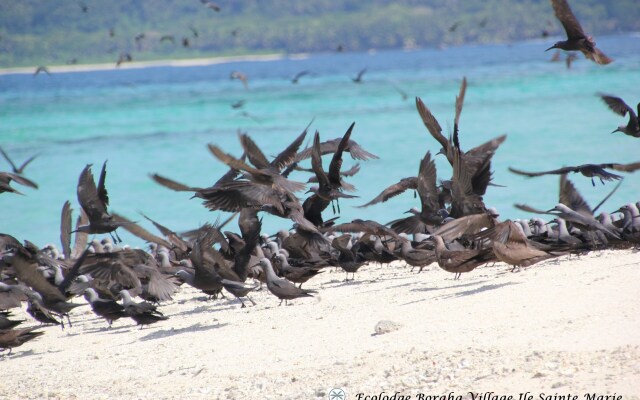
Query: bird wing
x=427, y=188
x=102, y=190
x=431, y=123
x=88, y=195
x=558, y=171
x=530, y=209
x=171, y=184
x=351, y=171
x=22, y=180
x=336, y=161
x=358, y=153
x=467, y=225
x=27, y=272
x=459, y=104
x=316, y=162
x=234, y=162
x=623, y=167
x=288, y=155
x=81, y=238
x=568, y=19
x=570, y=197
x=65, y=230
x=6, y=157
x=393, y=190
x=140, y=232
x=73, y=272
x=617, y=105
x=487, y=148
x=253, y=152
x=108, y=267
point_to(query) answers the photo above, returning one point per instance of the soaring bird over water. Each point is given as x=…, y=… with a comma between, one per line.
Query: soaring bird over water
x=577, y=39
x=618, y=106
x=588, y=170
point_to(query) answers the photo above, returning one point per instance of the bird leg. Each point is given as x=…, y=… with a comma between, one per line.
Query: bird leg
x=333, y=207
x=592, y=182
x=280, y=302
x=243, y=306
x=252, y=302
x=68, y=319
x=338, y=204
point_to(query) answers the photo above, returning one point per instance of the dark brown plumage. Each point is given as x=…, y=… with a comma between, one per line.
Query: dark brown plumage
x=588, y=170
x=577, y=39
x=618, y=106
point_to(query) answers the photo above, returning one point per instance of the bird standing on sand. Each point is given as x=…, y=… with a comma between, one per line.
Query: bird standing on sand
x=577, y=40
x=280, y=287
x=144, y=313
x=618, y=106
x=105, y=308
x=17, y=337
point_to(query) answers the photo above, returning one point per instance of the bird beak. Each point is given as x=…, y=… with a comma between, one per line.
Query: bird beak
x=553, y=209
x=551, y=48
x=617, y=130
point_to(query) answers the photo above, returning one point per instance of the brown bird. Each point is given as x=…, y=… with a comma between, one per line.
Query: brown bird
x=17, y=337
x=41, y=68
x=577, y=39
x=17, y=170
x=241, y=77
x=211, y=5
x=459, y=261
x=588, y=170
x=618, y=106
x=7, y=177
x=94, y=201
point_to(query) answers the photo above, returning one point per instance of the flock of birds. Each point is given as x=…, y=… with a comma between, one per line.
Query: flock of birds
x=452, y=227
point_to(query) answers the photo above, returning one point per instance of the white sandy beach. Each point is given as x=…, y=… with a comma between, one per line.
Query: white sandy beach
x=191, y=62
x=568, y=327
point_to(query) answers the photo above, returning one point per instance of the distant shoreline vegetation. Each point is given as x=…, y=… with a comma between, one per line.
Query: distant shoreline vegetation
x=36, y=32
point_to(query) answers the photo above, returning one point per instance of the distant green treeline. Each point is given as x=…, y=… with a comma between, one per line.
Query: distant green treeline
x=41, y=32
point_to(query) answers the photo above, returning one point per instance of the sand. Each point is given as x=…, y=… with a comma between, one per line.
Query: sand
x=191, y=62
x=566, y=326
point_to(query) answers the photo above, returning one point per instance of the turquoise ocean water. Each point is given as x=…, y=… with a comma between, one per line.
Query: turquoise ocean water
x=160, y=119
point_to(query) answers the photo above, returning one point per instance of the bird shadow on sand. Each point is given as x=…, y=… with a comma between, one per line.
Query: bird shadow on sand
x=480, y=289
x=429, y=289
x=209, y=308
x=21, y=354
x=172, y=332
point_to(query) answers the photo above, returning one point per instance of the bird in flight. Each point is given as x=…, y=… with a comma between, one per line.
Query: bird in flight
x=618, y=106
x=577, y=39
x=588, y=170
x=358, y=79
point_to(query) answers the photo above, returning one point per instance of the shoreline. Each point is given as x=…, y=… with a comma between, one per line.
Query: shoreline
x=188, y=62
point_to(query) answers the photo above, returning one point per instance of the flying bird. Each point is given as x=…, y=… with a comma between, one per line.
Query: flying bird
x=94, y=201
x=588, y=170
x=41, y=68
x=358, y=79
x=17, y=170
x=241, y=77
x=211, y=5
x=577, y=39
x=618, y=106
x=299, y=75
